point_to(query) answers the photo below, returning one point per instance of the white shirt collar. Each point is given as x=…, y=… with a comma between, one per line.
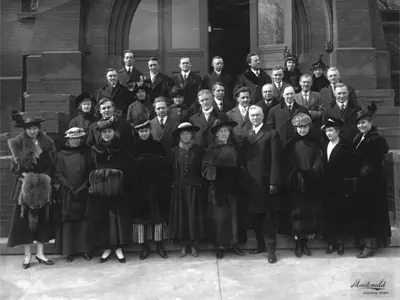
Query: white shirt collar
x=219, y=102
x=256, y=72
x=278, y=84
x=153, y=75
x=207, y=112
x=289, y=104
x=219, y=73
x=341, y=104
x=305, y=93
x=185, y=73
x=165, y=119
x=128, y=68
x=257, y=129
x=243, y=110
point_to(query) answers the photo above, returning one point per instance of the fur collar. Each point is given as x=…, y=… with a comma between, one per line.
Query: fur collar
x=22, y=145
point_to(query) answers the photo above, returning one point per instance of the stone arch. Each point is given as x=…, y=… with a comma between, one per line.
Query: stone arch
x=327, y=6
x=301, y=33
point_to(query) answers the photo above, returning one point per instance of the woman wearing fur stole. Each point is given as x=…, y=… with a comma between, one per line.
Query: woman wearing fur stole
x=73, y=165
x=109, y=210
x=85, y=104
x=32, y=164
x=150, y=192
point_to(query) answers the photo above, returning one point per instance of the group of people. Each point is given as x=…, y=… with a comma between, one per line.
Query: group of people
x=190, y=160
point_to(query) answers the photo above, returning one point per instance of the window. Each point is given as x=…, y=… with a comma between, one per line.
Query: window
x=143, y=34
x=185, y=24
x=270, y=22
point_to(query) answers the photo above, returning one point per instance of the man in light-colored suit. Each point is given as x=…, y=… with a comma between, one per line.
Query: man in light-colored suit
x=312, y=101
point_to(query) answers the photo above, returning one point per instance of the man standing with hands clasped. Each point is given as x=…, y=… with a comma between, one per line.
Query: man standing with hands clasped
x=261, y=160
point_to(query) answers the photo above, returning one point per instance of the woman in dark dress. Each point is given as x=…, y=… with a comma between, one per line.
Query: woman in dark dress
x=150, y=192
x=303, y=155
x=32, y=152
x=109, y=210
x=188, y=197
x=141, y=108
x=291, y=73
x=371, y=211
x=338, y=186
x=179, y=111
x=73, y=165
x=225, y=225
x=319, y=79
x=85, y=104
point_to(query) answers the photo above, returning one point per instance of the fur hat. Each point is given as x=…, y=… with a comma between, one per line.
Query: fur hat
x=185, y=126
x=319, y=64
x=177, y=91
x=24, y=122
x=367, y=112
x=82, y=97
x=332, y=122
x=218, y=124
x=74, y=133
x=301, y=119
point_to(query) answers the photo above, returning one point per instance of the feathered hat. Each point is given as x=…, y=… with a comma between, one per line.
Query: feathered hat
x=82, y=97
x=22, y=121
x=367, y=112
x=301, y=119
x=332, y=122
x=219, y=124
x=177, y=91
x=319, y=63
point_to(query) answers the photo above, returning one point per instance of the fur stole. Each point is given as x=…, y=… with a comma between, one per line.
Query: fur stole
x=22, y=147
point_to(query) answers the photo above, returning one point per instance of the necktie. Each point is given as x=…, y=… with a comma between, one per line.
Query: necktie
x=220, y=106
x=129, y=71
x=342, y=108
x=184, y=77
x=279, y=85
x=306, y=99
x=162, y=122
x=253, y=132
x=290, y=107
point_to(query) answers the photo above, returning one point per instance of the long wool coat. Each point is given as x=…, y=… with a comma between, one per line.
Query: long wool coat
x=225, y=223
x=260, y=154
x=21, y=148
x=371, y=212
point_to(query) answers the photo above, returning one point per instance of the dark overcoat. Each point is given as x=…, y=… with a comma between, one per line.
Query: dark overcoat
x=140, y=110
x=191, y=86
x=277, y=92
x=280, y=119
x=204, y=137
x=180, y=113
x=125, y=79
x=293, y=78
x=161, y=86
x=243, y=124
x=254, y=83
x=225, y=78
x=266, y=108
x=83, y=120
x=371, y=211
x=20, y=147
x=164, y=135
x=329, y=97
x=260, y=154
x=121, y=96
x=319, y=83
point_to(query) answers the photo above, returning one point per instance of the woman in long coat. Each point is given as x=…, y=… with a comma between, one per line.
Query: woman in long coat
x=32, y=153
x=179, y=111
x=73, y=165
x=109, y=210
x=188, y=196
x=225, y=226
x=150, y=194
x=303, y=155
x=85, y=104
x=371, y=211
x=338, y=186
x=141, y=108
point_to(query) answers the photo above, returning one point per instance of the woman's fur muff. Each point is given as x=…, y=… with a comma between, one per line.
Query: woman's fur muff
x=106, y=182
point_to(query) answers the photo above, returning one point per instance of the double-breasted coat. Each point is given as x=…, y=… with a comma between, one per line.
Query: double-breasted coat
x=191, y=86
x=260, y=155
x=280, y=119
x=120, y=95
x=371, y=211
x=254, y=83
x=164, y=135
x=160, y=87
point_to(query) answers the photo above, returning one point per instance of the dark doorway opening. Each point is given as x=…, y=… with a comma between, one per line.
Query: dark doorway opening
x=229, y=33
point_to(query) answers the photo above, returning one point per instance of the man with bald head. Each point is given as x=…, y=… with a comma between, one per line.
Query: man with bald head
x=268, y=101
x=260, y=152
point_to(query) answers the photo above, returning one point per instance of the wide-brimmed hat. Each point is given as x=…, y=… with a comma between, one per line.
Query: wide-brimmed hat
x=22, y=121
x=367, y=112
x=141, y=123
x=82, y=97
x=319, y=64
x=140, y=86
x=301, y=119
x=292, y=57
x=218, y=124
x=74, y=133
x=105, y=124
x=177, y=91
x=185, y=126
x=332, y=122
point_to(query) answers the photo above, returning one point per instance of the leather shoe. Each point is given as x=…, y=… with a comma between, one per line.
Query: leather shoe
x=238, y=251
x=69, y=258
x=220, y=254
x=195, y=252
x=298, y=251
x=121, y=260
x=26, y=266
x=258, y=250
x=45, y=262
x=272, y=257
x=104, y=259
x=183, y=251
x=340, y=249
x=306, y=250
x=86, y=256
x=144, y=254
x=367, y=252
x=160, y=250
x=331, y=248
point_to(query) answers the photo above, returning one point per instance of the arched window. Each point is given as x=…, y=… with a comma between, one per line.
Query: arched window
x=144, y=31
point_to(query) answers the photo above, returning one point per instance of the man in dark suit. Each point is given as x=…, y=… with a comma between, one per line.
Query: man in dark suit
x=260, y=153
x=254, y=77
x=277, y=80
x=313, y=102
x=160, y=84
x=205, y=118
x=268, y=101
x=114, y=90
x=240, y=114
x=219, y=75
x=328, y=94
x=128, y=74
x=162, y=126
x=219, y=103
x=345, y=109
x=280, y=116
x=188, y=81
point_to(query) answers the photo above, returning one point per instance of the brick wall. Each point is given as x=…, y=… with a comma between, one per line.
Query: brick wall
x=6, y=184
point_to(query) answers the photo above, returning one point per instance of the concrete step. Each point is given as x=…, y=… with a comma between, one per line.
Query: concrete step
x=283, y=242
x=392, y=135
x=387, y=117
x=380, y=97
